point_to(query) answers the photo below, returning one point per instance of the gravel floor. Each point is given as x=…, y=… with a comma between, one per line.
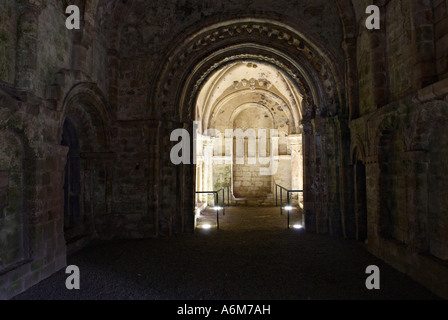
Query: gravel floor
x=253, y=256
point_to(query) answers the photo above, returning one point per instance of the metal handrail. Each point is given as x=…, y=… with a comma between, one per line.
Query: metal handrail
x=288, y=192
x=228, y=194
x=216, y=194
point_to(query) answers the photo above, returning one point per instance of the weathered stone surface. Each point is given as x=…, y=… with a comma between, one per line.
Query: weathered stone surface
x=363, y=115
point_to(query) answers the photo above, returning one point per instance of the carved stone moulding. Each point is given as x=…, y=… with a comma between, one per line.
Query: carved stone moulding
x=195, y=58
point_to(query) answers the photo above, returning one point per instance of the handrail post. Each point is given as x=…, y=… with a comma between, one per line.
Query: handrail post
x=223, y=202
x=228, y=195
x=217, y=209
x=276, y=196
x=281, y=201
x=288, y=200
x=287, y=197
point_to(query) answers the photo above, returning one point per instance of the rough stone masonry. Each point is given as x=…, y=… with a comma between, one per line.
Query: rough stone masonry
x=86, y=117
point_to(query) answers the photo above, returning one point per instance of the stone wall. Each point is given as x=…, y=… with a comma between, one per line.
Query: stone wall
x=8, y=38
x=248, y=183
x=441, y=37
x=399, y=139
x=32, y=168
x=406, y=188
x=127, y=80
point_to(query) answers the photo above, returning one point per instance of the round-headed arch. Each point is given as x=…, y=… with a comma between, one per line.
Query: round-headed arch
x=87, y=107
x=198, y=55
x=246, y=82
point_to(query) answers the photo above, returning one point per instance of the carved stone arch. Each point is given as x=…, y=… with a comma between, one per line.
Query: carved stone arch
x=359, y=222
x=192, y=90
x=262, y=37
x=318, y=72
x=387, y=126
x=358, y=151
x=348, y=18
x=207, y=121
x=87, y=103
x=84, y=130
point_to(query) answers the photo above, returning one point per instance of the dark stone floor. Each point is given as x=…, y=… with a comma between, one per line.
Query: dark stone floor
x=253, y=256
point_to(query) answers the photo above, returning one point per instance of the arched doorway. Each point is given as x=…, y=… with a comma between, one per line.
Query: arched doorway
x=205, y=52
x=250, y=112
x=73, y=220
x=84, y=130
x=360, y=200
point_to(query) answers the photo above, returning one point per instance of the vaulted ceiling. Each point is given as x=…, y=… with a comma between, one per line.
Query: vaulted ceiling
x=231, y=89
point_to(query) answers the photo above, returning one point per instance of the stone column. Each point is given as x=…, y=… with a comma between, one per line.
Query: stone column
x=309, y=177
x=113, y=66
x=319, y=184
x=202, y=166
x=424, y=32
x=379, y=62
x=81, y=42
x=79, y=53
x=373, y=202
x=208, y=165
x=27, y=39
x=188, y=183
x=168, y=195
x=55, y=167
x=199, y=186
x=332, y=166
x=295, y=145
x=351, y=81
x=273, y=152
x=346, y=176
x=4, y=185
x=417, y=199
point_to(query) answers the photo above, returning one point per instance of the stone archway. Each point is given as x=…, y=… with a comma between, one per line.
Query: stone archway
x=255, y=105
x=74, y=225
x=199, y=54
x=88, y=171
x=360, y=198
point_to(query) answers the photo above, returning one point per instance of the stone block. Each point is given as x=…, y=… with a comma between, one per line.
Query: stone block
x=440, y=88
x=31, y=279
x=442, y=46
x=441, y=28
x=4, y=179
x=15, y=288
